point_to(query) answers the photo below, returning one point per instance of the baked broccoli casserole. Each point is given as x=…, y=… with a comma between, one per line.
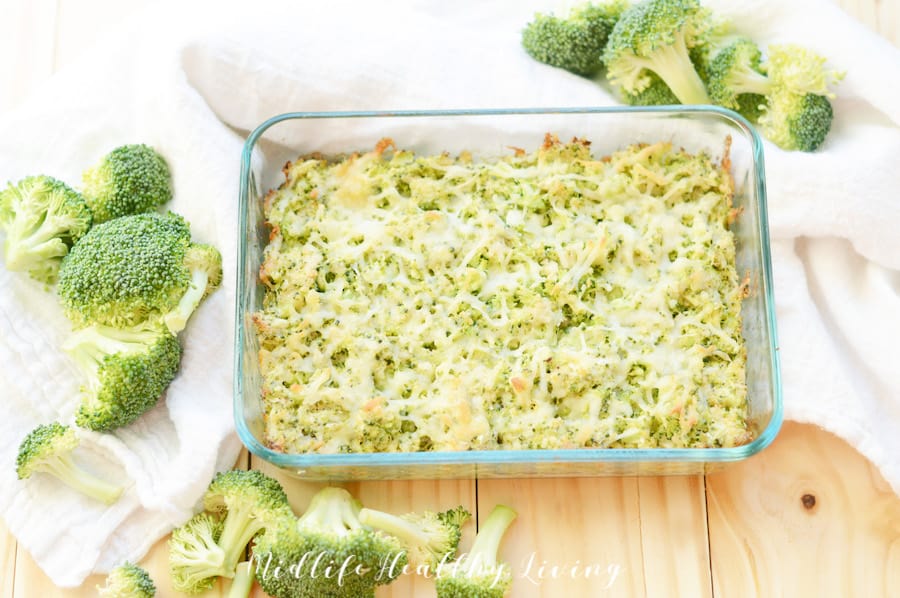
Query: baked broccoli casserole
x=550, y=299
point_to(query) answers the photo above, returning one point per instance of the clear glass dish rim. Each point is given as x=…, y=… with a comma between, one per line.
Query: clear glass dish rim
x=530, y=456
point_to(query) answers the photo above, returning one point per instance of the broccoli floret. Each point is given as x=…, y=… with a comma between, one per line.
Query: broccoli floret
x=195, y=557
x=737, y=71
x=573, y=41
x=317, y=546
x=242, y=582
x=131, y=179
x=797, y=121
x=127, y=371
x=429, y=538
x=134, y=268
x=48, y=449
x=787, y=94
x=656, y=36
x=42, y=218
x=127, y=581
x=250, y=501
x=479, y=573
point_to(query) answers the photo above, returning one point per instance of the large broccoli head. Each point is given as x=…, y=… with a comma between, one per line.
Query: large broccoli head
x=137, y=268
x=127, y=370
x=42, y=217
x=131, y=179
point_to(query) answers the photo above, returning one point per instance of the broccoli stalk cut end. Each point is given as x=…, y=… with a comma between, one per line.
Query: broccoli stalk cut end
x=242, y=582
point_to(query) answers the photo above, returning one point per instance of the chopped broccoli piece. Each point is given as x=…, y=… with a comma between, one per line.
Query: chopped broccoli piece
x=43, y=218
x=135, y=268
x=195, y=557
x=127, y=581
x=250, y=501
x=131, y=179
x=479, y=573
x=48, y=449
x=242, y=582
x=573, y=41
x=429, y=538
x=655, y=36
x=329, y=528
x=797, y=121
x=127, y=370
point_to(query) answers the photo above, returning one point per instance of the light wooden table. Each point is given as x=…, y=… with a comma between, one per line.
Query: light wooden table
x=807, y=517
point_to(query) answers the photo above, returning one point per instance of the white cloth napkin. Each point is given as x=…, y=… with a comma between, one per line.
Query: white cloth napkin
x=192, y=78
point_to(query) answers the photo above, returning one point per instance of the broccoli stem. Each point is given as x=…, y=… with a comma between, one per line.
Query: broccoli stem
x=242, y=582
x=672, y=64
x=77, y=479
x=484, y=549
x=239, y=528
x=750, y=81
x=397, y=526
x=331, y=510
x=177, y=319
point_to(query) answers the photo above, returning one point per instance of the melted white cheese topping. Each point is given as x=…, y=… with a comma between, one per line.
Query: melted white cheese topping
x=542, y=300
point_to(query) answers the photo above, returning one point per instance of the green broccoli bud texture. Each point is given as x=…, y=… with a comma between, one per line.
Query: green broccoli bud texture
x=137, y=268
x=572, y=41
x=127, y=581
x=131, y=179
x=127, y=371
x=326, y=552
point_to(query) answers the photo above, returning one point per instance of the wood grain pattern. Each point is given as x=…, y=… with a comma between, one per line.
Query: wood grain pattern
x=806, y=517
x=882, y=16
x=573, y=537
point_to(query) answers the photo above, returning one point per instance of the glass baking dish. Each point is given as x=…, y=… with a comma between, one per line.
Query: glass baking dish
x=493, y=133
